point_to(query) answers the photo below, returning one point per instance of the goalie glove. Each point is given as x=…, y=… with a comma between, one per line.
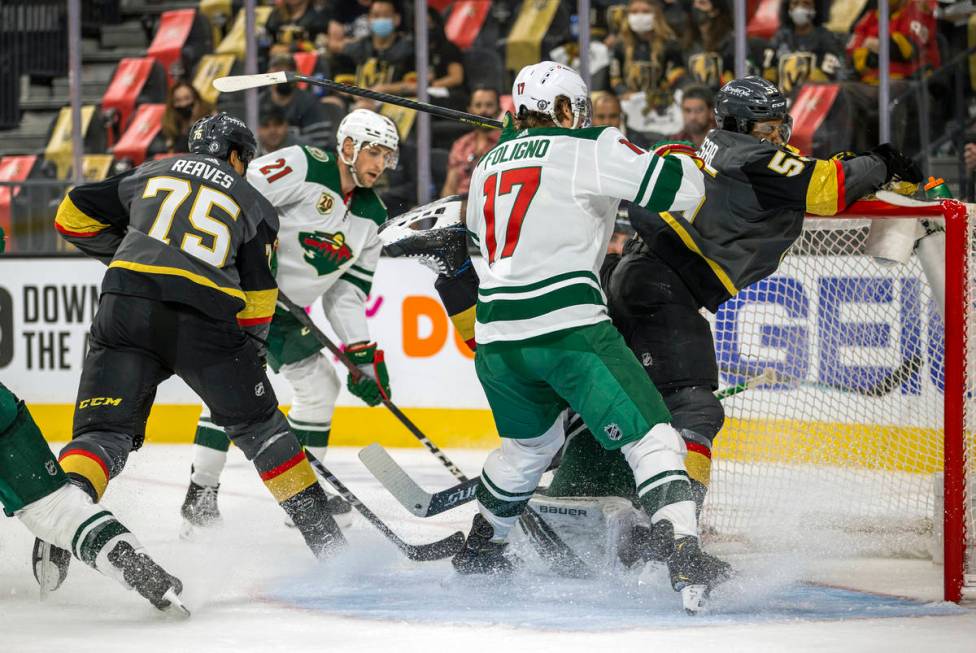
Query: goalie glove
x=373, y=385
x=898, y=165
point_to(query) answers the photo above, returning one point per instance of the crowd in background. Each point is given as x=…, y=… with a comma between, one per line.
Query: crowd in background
x=655, y=65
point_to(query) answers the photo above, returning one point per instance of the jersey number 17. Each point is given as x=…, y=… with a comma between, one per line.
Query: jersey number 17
x=502, y=183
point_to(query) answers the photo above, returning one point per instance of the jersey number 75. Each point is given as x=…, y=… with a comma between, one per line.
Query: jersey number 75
x=527, y=179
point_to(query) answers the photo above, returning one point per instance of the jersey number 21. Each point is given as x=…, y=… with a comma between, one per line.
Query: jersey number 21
x=527, y=179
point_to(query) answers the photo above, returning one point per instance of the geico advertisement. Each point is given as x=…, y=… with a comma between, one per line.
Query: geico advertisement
x=46, y=307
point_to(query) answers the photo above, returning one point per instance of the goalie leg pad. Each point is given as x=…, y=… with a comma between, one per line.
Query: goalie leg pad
x=596, y=529
x=588, y=470
x=512, y=473
x=315, y=386
x=28, y=469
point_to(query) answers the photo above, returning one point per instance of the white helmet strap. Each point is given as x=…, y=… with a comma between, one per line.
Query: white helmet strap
x=356, y=146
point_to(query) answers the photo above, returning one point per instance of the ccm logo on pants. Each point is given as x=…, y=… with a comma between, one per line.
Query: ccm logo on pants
x=99, y=401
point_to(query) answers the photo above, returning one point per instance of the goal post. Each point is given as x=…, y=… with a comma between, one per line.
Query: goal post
x=842, y=456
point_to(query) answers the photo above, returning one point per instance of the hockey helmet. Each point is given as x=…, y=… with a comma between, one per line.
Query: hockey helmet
x=367, y=128
x=537, y=86
x=742, y=103
x=219, y=134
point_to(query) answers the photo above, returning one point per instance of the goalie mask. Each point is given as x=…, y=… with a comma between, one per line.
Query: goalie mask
x=537, y=86
x=434, y=234
x=367, y=128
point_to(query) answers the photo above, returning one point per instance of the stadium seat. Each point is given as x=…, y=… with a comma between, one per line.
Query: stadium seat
x=211, y=66
x=135, y=81
x=809, y=111
x=233, y=43
x=402, y=117
x=96, y=167
x=24, y=210
x=145, y=125
x=217, y=13
x=305, y=65
x=534, y=24
x=765, y=21
x=465, y=22
x=182, y=37
x=59, y=150
x=843, y=15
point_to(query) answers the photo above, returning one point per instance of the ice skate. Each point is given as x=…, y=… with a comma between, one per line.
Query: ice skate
x=199, y=509
x=482, y=556
x=149, y=579
x=693, y=572
x=340, y=509
x=50, y=565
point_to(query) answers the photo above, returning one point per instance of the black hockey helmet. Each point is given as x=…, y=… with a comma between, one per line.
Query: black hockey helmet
x=221, y=133
x=741, y=103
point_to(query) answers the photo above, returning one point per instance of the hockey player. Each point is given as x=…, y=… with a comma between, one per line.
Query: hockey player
x=543, y=206
x=328, y=248
x=189, y=291
x=35, y=489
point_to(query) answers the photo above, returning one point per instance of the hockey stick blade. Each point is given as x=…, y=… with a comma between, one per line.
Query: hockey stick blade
x=438, y=550
x=404, y=489
x=243, y=82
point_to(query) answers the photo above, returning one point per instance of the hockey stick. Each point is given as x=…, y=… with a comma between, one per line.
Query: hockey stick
x=883, y=386
x=422, y=503
x=438, y=550
x=244, y=82
x=357, y=375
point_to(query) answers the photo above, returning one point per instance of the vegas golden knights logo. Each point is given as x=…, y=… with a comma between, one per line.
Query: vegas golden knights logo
x=643, y=75
x=706, y=68
x=373, y=72
x=795, y=69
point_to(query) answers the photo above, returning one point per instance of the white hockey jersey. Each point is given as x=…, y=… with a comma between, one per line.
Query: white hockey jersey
x=327, y=243
x=542, y=207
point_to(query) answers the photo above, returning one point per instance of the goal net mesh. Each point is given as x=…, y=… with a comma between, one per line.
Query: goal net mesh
x=844, y=455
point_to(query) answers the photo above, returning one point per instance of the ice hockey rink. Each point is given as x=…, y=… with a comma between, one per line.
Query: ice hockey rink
x=252, y=585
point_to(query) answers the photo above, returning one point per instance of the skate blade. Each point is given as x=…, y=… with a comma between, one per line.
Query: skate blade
x=47, y=574
x=175, y=609
x=694, y=597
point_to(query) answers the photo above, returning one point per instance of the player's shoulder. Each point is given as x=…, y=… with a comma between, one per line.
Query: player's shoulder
x=367, y=204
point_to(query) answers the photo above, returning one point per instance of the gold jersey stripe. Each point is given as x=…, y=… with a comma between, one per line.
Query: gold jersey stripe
x=260, y=303
x=289, y=483
x=73, y=220
x=693, y=246
x=177, y=272
x=822, y=196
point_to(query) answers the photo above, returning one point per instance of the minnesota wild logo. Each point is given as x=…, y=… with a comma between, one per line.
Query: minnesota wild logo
x=324, y=251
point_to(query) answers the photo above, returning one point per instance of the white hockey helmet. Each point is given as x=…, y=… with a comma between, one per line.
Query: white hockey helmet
x=367, y=128
x=537, y=86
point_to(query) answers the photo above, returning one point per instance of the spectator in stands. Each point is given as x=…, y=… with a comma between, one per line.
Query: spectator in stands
x=350, y=23
x=468, y=150
x=969, y=156
x=913, y=41
x=712, y=62
x=802, y=49
x=383, y=61
x=303, y=111
x=697, y=115
x=446, y=67
x=647, y=57
x=184, y=106
x=295, y=25
x=678, y=16
x=608, y=112
x=273, y=131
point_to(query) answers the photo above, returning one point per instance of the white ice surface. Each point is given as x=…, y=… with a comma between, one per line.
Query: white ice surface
x=253, y=586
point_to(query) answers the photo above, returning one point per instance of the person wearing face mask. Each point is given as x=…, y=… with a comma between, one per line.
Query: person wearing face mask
x=302, y=110
x=647, y=58
x=468, y=150
x=802, y=49
x=184, y=106
x=712, y=61
x=382, y=61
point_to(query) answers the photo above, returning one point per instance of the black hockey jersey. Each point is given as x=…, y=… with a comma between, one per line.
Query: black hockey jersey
x=187, y=229
x=756, y=195
x=791, y=60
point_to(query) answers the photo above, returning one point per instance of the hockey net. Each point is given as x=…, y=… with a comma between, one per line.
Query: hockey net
x=863, y=445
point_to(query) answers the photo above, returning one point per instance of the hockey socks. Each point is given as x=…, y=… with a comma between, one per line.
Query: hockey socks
x=663, y=487
x=459, y=294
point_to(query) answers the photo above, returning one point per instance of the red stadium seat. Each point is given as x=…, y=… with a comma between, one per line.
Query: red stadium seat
x=305, y=65
x=809, y=110
x=12, y=168
x=146, y=123
x=765, y=21
x=135, y=80
x=464, y=23
x=181, y=39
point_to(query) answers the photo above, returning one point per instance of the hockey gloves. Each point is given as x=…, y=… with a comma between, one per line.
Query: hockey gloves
x=897, y=164
x=667, y=148
x=373, y=385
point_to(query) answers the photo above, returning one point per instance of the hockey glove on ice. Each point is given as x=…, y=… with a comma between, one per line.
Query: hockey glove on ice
x=897, y=164
x=374, y=385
